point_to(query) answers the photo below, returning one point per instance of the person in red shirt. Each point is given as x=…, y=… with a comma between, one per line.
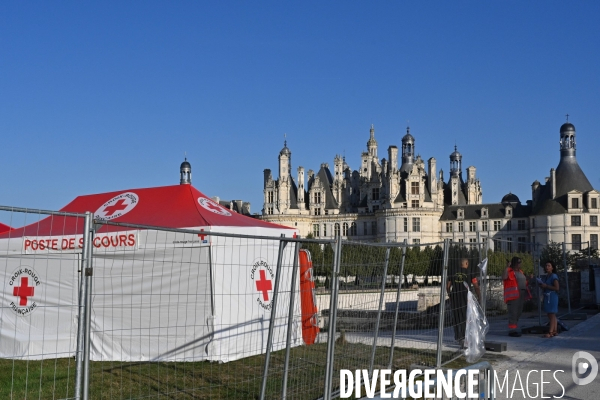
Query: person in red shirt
x=515, y=294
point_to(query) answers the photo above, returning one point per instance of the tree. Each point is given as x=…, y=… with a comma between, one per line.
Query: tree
x=553, y=252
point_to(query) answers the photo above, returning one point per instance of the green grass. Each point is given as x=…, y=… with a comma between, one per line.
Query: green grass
x=241, y=379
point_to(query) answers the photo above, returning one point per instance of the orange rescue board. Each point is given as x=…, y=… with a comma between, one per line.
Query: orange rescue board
x=310, y=328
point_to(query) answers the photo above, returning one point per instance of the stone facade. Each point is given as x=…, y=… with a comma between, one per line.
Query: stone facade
x=404, y=197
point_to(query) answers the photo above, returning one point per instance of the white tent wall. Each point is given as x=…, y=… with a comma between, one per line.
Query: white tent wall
x=242, y=315
x=47, y=326
x=170, y=296
x=151, y=304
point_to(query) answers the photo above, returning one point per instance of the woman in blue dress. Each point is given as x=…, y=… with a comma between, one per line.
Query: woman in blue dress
x=550, y=286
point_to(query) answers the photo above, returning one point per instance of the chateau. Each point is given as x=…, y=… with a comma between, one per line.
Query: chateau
x=404, y=197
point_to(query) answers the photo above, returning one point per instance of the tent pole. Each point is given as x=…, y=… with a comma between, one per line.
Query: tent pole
x=88, y=272
x=263, y=387
x=381, y=296
x=442, y=320
x=332, y=318
x=400, y=281
x=288, y=342
x=79, y=375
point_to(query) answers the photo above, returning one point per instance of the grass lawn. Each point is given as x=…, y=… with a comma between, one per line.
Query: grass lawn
x=241, y=379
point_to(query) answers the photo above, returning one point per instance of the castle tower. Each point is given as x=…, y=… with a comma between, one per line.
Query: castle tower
x=185, y=173
x=408, y=151
x=569, y=175
x=372, y=143
x=285, y=162
x=301, y=205
x=567, y=140
x=455, y=163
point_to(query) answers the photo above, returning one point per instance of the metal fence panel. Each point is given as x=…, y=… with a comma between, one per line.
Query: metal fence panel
x=39, y=266
x=185, y=313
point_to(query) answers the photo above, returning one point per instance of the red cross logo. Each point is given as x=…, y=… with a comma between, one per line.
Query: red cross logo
x=295, y=236
x=264, y=285
x=201, y=236
x=25, y=291
x=213, y=206
x=118, y=206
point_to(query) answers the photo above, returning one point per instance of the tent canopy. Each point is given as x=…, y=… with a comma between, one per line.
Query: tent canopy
x=176, y=206
x=4, y=228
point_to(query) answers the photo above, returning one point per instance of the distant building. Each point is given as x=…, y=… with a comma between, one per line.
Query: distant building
x=405, y=198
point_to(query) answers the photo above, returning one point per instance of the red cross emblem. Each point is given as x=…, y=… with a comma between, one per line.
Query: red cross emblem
x=118, y=206
x=23, y=291
x=201, y=236
x=264, y=285
x=213, y=206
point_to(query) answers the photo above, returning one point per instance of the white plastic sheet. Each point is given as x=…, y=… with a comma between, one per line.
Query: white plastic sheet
x=476, y=329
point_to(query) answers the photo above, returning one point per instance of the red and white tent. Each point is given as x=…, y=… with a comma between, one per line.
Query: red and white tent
x=4, y=228
x=157, y=295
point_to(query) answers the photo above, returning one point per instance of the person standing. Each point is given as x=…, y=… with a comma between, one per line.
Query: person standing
x=457, y=291
x=515, y=293
x=550, y=286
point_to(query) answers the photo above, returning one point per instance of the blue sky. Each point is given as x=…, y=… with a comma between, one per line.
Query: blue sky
x=105, y=96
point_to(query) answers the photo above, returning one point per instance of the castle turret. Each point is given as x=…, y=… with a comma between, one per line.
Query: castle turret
x=455, y=163
x=372, y=143
x=285, y=162
x=569, y=175
x=185, y=173
x=408, y=151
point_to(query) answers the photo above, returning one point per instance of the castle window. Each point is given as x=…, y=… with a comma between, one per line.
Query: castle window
x=593, y=241
x=575, y=220
x=473, y=242
x=497, y=245
x=416, y=241
x=533, y=222
x=509, y=225
x=317, y=197
x=593, y=220
x=317, y=211
x=484, y=212
x=336, y=230
x=324, y=230
x=326, y=212
x=509, y=245
x=575, y=203
x=461, y=226
x=521, y=224
x=269, y=197
x=270, y=210
x=472, y=226
x=365, y=228
x=414, y=204
x=497, y=225
x=449, y=227
x=405, y=224
x=353, y=229
x=484, y=226
x=416, y=224
x=316, y=230
x=521, y=246
x=375, y=193
x=345, y=229
x=414, y=187
x=594, y=203
x=576, y=242
x=374, y=227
